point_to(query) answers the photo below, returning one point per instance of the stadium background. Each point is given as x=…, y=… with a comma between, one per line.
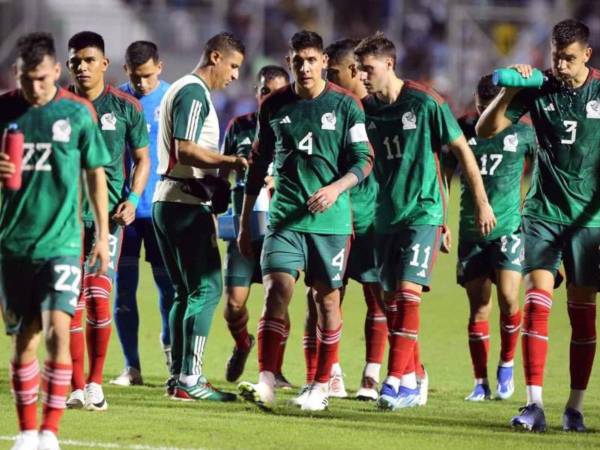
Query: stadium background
x=445, y=43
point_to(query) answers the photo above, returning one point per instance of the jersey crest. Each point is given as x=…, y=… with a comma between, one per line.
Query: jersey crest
x=409, y=121
x=61, y=130
x=592, y=109
x=108, y=121
x=328, y=121
x=511, y=142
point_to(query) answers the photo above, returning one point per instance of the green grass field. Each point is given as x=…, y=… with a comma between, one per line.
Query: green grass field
x=142, y=418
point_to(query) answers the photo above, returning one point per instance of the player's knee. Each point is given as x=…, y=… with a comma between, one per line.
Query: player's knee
x=57, y=340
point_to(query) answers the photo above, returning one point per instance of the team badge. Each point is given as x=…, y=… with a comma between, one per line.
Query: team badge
x=61, y=130
x=328, y=121
x=108, y=121
x=472, y=141
x=372, y=126
x=592, y=109
x=409, y=121
x=511, y=142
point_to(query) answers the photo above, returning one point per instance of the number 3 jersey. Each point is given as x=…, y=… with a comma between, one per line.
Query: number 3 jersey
x=42, y=219
x=408, y=135
x=501, y=161
x=565, y=187
x=313, y=143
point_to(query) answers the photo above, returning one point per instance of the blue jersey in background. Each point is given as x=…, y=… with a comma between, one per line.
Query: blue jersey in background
x=151, y=106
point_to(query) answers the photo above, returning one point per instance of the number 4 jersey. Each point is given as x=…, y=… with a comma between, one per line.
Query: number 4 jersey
x=501, y=161
x=566, y=182
x=42, y=219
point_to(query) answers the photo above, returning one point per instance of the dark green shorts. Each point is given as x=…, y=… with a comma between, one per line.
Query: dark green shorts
x=477, y=259
x=115, y=240
x=407, y=255
x=547, y=244
x=29, y=287
x=322, y=257
x=239, y=271
x=361, y=261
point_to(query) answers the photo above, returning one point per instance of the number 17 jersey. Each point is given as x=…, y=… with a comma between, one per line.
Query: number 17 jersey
x=566, y=182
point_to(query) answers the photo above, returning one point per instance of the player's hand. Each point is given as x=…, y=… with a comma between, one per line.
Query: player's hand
x=485, y=219
x=323, y=199
x=446, y=241
x=7, y=169
x=100, y=255
x=240, y=164
x=125, y=213
x=245, y=243
x=524, y=69
x=270, y=182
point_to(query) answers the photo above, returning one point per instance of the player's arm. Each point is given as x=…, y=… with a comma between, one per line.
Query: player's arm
x=261, y=157
x=484, y=216
x=359, y=154
x=449, y=163
x=228, y=148
x=125, y=212
x=97, y=193
x=498, y=115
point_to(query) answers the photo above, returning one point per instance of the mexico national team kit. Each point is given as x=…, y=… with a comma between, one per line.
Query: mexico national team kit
x=123, y=127
x=40, y=234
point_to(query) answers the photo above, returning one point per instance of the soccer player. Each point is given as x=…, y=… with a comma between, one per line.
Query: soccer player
x=497, y=257
x=40, y=232
x=123, y=128
x=143, y=67
x=188, y=156
x=408, y=123
x=315, y=133
x=239, y=271
x=561, y=212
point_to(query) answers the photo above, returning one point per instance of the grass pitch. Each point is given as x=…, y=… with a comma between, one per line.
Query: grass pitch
x=142, y=418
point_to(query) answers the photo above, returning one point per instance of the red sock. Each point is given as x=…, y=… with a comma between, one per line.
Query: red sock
x=25, y=381
x=55, y=387
x=282, y=347
x=509, y=335
x=97, y=293
x=403, y=323
x=375, y=325
x=583, y=342
x=419, y=369
x=479, y=346
x=534, y=341
x=328, y=342
x=310, y=356
x=77, y=345
x=239, y=331
x=271, y=333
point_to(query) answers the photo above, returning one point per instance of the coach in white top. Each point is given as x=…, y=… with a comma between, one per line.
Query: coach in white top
x=188, y=140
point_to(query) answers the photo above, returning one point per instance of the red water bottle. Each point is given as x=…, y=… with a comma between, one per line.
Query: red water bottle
x=13, y=142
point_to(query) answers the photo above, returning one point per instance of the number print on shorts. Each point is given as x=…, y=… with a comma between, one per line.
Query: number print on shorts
x=514, y=245
x=338, y=260
x=416, y=256
x=65, y=283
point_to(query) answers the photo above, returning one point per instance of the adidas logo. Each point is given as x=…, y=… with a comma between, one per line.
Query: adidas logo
x=372, y=126
x=472, y=141
x=422, y=274
x=286, y=119
x=550, y=107
x=246, y=141
x=516, y=261
x=338, y=277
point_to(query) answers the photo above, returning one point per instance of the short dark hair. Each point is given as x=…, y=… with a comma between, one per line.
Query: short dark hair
x=569, y=31
x=32, y=48
x=224, y=42
x=377, y=45
x=305, y=39
x=486, y=89
x=339, y=50
x=140, y=52
x=85, y=39
x=270, y=72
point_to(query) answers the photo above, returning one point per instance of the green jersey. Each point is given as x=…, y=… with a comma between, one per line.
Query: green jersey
x=408, y=135
x=565, y=187
x=41, y=220
x=123, y=127
x=501, y=162
x=313, y=143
